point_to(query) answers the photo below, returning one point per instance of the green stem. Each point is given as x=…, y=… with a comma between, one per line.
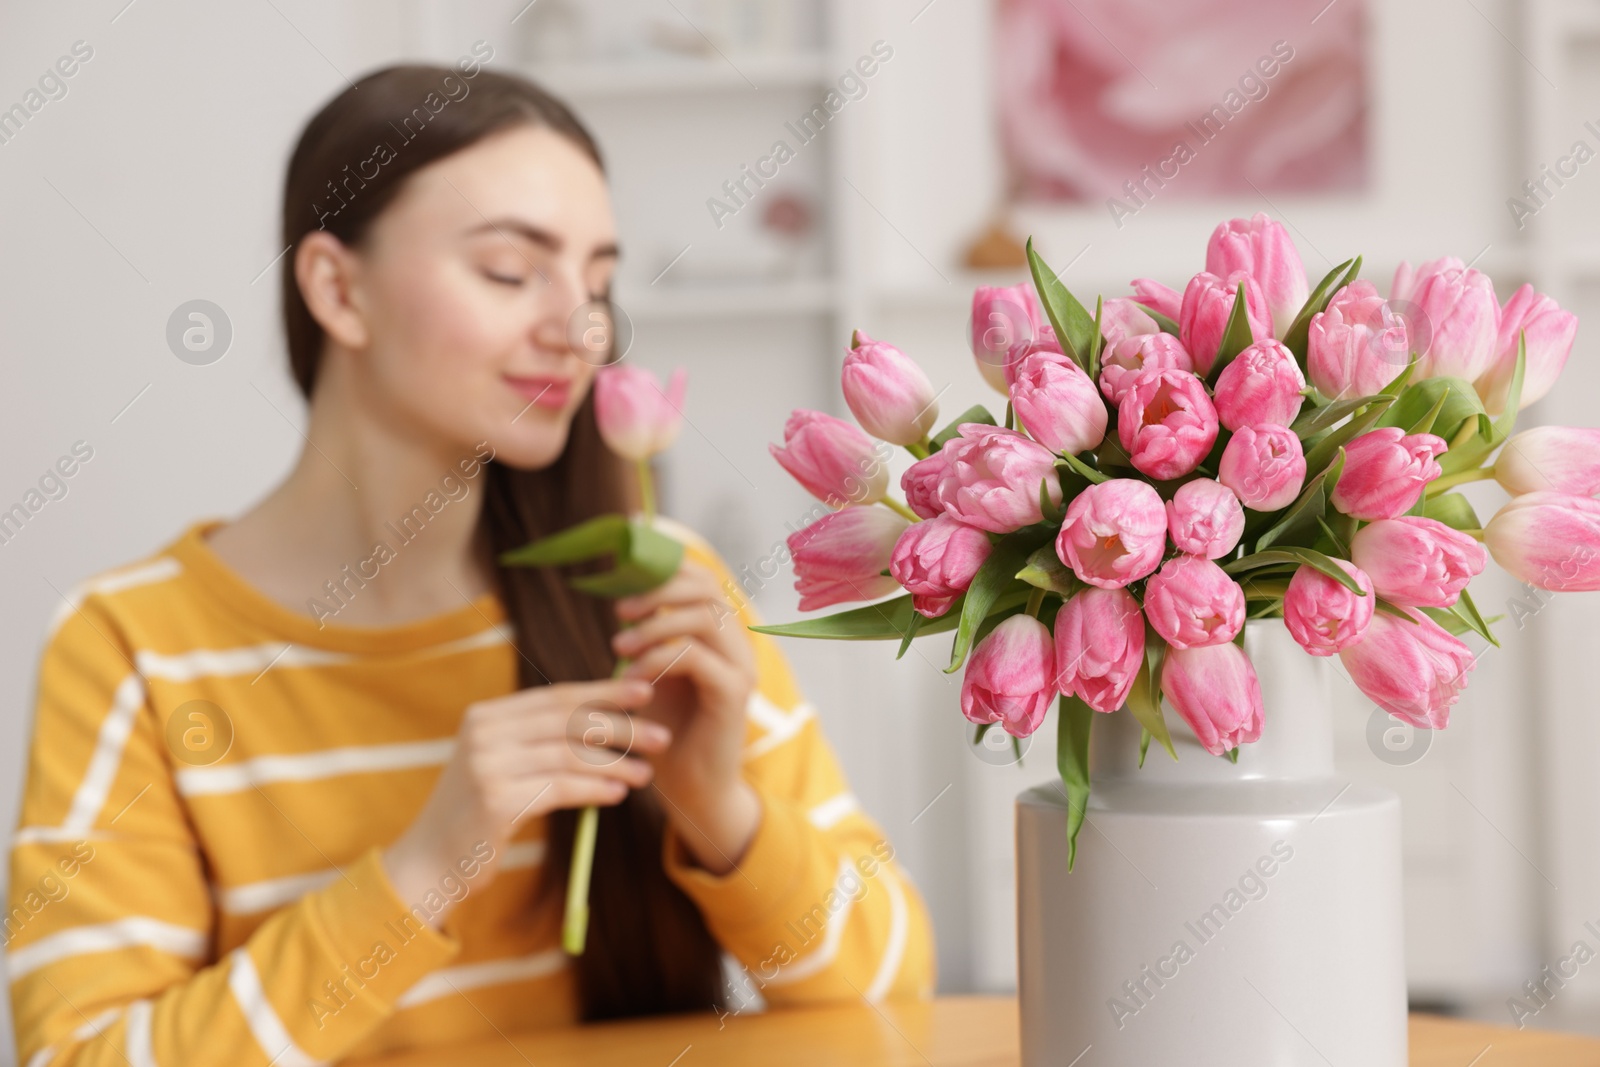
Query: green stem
x=575, y=924
x=896, y=506
x=1450, y=481
x=919, y=448
x=647, y=491
x=1476, y=535
x=1035, y=602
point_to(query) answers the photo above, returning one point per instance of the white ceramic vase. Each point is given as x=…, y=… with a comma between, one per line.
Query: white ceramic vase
x=1218, y=914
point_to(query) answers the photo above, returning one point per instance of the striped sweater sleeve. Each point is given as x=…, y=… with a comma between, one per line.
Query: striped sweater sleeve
x=818, y=907
x=110, y=920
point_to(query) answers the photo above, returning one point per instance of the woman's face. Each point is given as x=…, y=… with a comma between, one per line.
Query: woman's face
x=475, y=286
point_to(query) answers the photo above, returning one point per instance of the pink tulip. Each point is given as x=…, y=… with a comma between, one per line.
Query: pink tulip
x=1158, y=297
x=1261, y=247
x=1002, y=317
x=1559, y=459
x=1010, y=678
x=1205, y=518
x=1166, y=423
x=1214, y=688
x=1121, y=318
x=1357, y=345
x=1550, y=540
x=1413, y=669
x=991, y=478
x=1207, y=306
x=1550, y=332
x=920, y=483
x=1322, y=615
x=887, y=392
x=1121, y=363
x=1417, y=562
x=1057, y=403
x=835, y=461
x=637, y=419
x=1454, y=317
x=842, y=555
x=1191, y=602
x=1264, y=466
x=1114, y=532
x=935, y=561
x=1099, y=647
x=1385, y=471
x=1262, y=384
x=1045, y=342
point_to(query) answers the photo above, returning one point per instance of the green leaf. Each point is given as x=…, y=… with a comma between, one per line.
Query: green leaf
x=1401, y=380
x=1335, y=542
x=997, y=574
x=1473, y=452
x=1166, y=324
x=1306, y=512
x=1316, y=420
x=1232, y=754
x=1319, y=455
x=1144, y=745
x=1044, y=570
x=588, y=540
x=1453, y=510
x=976, y=413
x=644, y=556
x=1297, y=335
x=1267, y=588
x=1074, y=328
x=1396, y=610
x=1074, y=463
x=1072, y=762
x=1468, y=612
x=912, y=627
x=1049, y=511
x=886, y=620
x=1144, y=700
x=1307, y=556
x=1446, y=618
x=1235, y=338
x=1455, y=400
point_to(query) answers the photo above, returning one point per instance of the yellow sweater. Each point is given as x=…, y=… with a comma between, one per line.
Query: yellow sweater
x=195, y=877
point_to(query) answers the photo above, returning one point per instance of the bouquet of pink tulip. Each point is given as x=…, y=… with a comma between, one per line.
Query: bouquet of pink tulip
x=637, y=419
x=1165, y=472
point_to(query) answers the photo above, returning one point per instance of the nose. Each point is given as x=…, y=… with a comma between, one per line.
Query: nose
x=560, y=321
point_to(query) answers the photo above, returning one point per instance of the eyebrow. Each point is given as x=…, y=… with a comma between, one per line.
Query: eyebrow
x=540, y=237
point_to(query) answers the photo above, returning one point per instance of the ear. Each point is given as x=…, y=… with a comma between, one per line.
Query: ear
x=329, y=276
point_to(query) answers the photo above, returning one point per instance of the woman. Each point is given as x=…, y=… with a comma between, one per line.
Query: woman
x=302, y=786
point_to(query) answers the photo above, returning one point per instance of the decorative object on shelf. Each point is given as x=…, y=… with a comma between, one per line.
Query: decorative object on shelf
x=996, y=248
x=1164, y=485
x=638, y=420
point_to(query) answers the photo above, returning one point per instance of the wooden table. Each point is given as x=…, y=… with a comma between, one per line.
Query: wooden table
x=947, y=1032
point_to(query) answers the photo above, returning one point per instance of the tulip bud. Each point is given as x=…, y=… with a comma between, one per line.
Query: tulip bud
x=936, y=561
x=1550, y=332
x=1121, y=318
x=636, y=418
x=1214, y=688
x=1207, y=307
x=1045, y=342
x=1114, y=532
x=991, y=476
x=1191, y=602
x=1010, y=677
x=1385, y=472
x=842, y=556
x=1099, y=647
x=1057, y=403
x=920, y=483
x=1410, y=667
x=1158, y=298
x=887, y=392
x=1264, y=465
x=1261, y=247
x=1262, y=384
x=1003, y=317
x=1167, y=423
x=835, y=461
x=1559, y=459
x=1323, y=615
x=1454, y=316
x=1357, y=344
x=1121, y=363
x=1205, y=518
x=1415, y=561
x=1549, y=540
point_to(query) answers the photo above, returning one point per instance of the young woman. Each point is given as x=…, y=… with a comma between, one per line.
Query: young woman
x=303, y=785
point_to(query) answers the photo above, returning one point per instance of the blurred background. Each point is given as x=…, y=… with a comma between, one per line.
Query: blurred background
x=923, y=140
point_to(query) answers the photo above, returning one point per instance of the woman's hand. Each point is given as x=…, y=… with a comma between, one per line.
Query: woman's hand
x=521, y=755
x=695, y=652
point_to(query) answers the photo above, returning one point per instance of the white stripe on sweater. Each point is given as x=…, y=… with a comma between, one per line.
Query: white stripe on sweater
x=157, y=570
x=254, y=659
x=832, y=933
x=449, y=980
x=102, y=772
x=136, y=931
x=894, y=951
x=260, y=1016
x=312, y=766
x=826, y=816
x=779, y=724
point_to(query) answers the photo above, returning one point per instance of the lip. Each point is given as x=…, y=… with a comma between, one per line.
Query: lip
x=545, y=392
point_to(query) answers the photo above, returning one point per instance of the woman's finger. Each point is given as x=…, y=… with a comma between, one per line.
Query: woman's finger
x=623, y=692
x=689, y=658
x=539, y=795
x=693, y=582
x=595, y=723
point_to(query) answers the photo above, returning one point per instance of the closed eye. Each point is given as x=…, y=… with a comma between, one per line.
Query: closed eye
x=504, y=279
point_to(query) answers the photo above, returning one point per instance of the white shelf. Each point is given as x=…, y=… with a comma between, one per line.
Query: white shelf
x=729, y=300
x=666, y=75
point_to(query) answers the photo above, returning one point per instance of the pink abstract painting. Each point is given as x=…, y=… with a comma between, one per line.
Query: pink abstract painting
x=1133, y=100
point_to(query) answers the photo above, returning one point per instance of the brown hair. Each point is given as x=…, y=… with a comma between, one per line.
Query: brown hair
x=648, y=947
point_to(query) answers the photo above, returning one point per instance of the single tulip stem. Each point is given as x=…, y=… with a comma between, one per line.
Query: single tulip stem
x=647, y=490
x=899, y=508
x=1450, y=481
x=919, y=448
x=1035, y=602
x=1476, y=535
x=575, y=920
